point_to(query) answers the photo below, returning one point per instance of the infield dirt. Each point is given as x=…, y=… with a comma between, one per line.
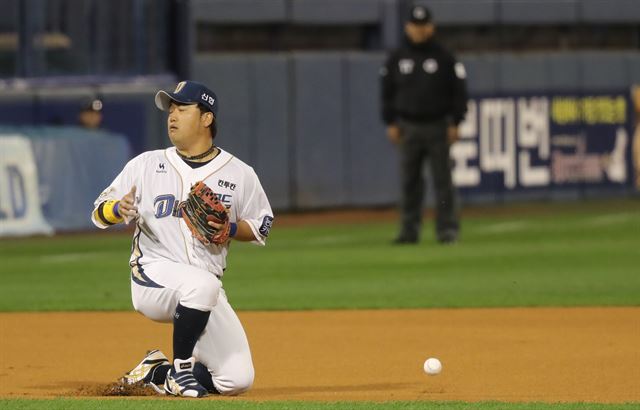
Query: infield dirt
x=538, y=354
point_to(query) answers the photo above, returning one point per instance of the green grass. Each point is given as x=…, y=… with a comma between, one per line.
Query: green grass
x=580, y=254
x=124, y=404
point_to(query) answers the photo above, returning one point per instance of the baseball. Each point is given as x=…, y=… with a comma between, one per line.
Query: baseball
x=432, y=366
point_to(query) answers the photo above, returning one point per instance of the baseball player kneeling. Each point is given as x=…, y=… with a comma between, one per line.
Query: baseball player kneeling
x=188, y=202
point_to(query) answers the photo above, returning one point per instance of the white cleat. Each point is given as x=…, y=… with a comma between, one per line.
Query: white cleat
x=181, y=382
x=145, y=370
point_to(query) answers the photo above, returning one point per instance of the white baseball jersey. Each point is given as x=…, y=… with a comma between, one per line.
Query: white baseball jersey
x=170, y=267
x=162, y=180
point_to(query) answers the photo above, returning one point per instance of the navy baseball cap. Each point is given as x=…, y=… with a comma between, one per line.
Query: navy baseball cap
x=420, y=14
x=188, y=92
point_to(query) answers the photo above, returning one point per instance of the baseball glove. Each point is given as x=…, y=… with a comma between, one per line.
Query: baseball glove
x=202, y=206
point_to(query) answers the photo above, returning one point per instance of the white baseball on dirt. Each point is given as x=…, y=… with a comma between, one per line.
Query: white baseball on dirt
x=432, y=366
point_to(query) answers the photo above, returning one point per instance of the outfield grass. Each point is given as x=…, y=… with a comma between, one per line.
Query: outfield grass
x=124, y=404
x=583, y=254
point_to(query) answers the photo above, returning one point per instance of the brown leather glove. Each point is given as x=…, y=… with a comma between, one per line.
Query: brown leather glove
x=202, y=206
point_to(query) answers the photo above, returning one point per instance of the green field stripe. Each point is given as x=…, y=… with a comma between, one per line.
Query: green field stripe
x=582, y=254
x=236, y=404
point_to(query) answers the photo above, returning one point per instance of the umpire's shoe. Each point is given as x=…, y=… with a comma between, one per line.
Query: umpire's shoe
x=181, y=382
x=151, y=371
x=404, y=239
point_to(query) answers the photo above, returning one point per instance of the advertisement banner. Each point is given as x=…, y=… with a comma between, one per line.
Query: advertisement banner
x=523, y=143
x=20, y=208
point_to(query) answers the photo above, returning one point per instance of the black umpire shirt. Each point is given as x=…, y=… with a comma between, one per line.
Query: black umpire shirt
x=423, y=83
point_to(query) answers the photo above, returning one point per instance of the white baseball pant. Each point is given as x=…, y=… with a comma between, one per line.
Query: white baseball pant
x=223, y=347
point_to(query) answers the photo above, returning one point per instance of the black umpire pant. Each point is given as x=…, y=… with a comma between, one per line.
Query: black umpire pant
x=422, y=141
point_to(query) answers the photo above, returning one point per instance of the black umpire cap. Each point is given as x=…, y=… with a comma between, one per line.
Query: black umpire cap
x=420, y=14
x=188, y=92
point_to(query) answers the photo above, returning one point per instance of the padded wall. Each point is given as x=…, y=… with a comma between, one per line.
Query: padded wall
x=319, y=90
x=228, y=76
x=538, y=11
x=463, y=11
x=239, y=11
x=272, y=151
x=335, y=11
x=610, y=11
x=253, y=94
x=372, y=163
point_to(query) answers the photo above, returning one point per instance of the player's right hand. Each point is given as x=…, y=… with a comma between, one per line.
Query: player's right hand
x=127, y=206
x=394, y=134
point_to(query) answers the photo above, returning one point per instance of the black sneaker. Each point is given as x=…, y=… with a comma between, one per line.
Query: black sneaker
x=449, y=238
x=405, y=240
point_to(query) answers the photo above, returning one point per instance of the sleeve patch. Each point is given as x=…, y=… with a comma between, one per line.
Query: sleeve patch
x=104, y=194
x=267, y=221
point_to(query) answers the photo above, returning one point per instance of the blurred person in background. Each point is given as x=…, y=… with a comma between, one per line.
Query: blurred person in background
x=424, y=99
x=90, y=116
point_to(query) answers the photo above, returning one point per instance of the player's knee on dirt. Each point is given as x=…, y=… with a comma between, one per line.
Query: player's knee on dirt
x=203, y=295
x=234, y=380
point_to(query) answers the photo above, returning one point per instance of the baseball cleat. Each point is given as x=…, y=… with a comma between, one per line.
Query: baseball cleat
x=181, y=382
x=145, y=371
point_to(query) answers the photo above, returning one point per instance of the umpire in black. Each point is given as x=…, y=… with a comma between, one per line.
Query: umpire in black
x=424, y=99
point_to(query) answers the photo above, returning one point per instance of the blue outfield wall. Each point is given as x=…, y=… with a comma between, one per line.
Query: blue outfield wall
x=327, y=143
x=128, y=109
x=312, y=122
x=540, y=126
x=73, y=166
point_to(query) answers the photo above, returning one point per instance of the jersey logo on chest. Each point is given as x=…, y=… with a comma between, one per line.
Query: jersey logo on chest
x=161, y=168
x=166, y=204
x=226, y=184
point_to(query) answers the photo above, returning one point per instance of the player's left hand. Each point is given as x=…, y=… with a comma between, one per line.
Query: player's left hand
x=216, y=224
x=222, y=227
x=452, y=134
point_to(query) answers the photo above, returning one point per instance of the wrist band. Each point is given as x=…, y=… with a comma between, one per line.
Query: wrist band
x=233, y=228
x=106, y=212
x=116, y=211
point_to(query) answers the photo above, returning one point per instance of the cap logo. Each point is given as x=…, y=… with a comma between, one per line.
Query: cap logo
x=419, y=13
x=180, y=86
x=207, y=98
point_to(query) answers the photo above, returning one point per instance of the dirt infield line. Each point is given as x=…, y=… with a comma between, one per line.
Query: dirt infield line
x=513, y=355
